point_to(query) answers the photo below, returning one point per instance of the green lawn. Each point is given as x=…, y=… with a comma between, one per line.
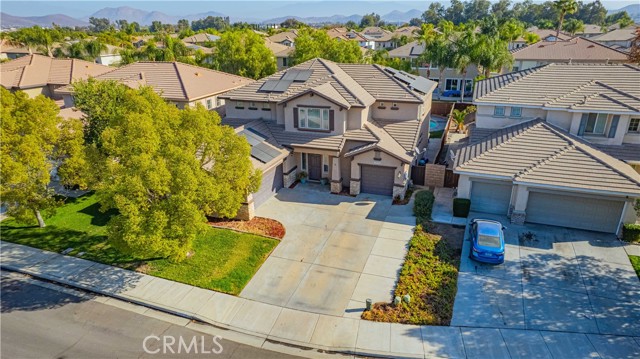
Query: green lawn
x=224, y=260
x=635, y=262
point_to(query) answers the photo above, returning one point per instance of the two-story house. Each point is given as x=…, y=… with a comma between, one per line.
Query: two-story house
x=545, y=143
x=575, y=50
x=356, y=126
x=179, y=83
x=379, y=37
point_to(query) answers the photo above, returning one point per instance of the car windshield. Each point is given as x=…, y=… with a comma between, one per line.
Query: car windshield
x=488, y=241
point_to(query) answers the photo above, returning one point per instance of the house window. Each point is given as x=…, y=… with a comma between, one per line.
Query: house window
x=239, y=104
x=376, y=155
x=304, y=161
x=596, y=124
x=498, y=111
x=451, y=84
x=252, y=106
x=220, y=102
x=516, y=112
x=468, y=86
x=313, y=118
x=265, y=106
x=284, y=61
x=325, y=163
x=634, y=125
x=209, y=104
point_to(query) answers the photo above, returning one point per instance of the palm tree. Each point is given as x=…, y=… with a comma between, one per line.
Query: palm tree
x=438, y=48
x=464, y=55
x=572, y=26
x=492, y=55
x=564, y=7
x=531, y=38
x=458, y=117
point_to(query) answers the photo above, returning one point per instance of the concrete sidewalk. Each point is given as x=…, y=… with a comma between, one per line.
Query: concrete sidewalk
x=263, y=325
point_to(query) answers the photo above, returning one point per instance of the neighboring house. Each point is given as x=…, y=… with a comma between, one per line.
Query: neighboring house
x=10, y=52
x=354, y=125
x=287, y=38
x=408, y=31
x=452, y=79
x=281, y=52
x=591, y=30
x=110, y=57
x=179, y=83
x=539, y=150
x=38, y=74
x=201, y=39
x=576, y=50
x=622, y=38
x=140, y=41
x=344, y=34
x=379, y=37
x=544, y=34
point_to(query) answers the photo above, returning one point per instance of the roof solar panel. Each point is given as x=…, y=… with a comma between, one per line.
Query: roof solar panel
x=252, y=137
x=282, y=86
x=268, y=85
x=268, y=149
x=256, y=132
x=421, y=84
x=297, y=75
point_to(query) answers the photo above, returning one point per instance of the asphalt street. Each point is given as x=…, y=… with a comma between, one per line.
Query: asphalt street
x=43, y=320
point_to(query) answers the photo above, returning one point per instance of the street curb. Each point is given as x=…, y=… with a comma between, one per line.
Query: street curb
x=191, y=316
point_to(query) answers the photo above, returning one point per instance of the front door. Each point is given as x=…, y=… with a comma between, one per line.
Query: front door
x=315, y=167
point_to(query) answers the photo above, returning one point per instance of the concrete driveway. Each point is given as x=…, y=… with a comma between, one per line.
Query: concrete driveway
x=337, y=252
x=555, y=279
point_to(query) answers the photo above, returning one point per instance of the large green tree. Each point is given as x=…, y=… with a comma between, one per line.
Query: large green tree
x=34, y=137
x=162, y=168
x=243, y=52
x=438, y=50
x=312, y=43
x=564, y=7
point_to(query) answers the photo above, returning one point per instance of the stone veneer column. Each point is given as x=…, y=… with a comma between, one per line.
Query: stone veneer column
x=289, y=178
x=354, y=187
x=336, y=176
x=248, y=210
x=518, y=217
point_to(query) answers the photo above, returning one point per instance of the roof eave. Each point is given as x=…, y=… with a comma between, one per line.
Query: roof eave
x=578, y=189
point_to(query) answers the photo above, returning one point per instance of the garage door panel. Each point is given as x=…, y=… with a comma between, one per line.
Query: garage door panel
x=272, y=181
x=376, y=180
x=590, y=213
x=490, y=197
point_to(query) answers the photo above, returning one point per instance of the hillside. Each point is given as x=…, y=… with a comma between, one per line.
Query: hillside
x=9, y=21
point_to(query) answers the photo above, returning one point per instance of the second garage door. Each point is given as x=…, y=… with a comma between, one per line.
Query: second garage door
x=271, y=183
x=376, y=180
x=490, y=197
x=588, y=213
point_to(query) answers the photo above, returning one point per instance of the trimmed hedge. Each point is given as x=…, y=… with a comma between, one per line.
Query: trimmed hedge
x=461, y=207
x=422, y=205
x=631, y=233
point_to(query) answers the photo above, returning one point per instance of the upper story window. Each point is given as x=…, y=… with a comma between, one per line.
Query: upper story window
x=219, y=102
x=516, y=112
x=498, y=111
x=634, y=125
x=239, y=104
x=313, y=118
x=265, y=106
x=599, y=124
x=596, y=124
x=451, y=84
x=209, y=104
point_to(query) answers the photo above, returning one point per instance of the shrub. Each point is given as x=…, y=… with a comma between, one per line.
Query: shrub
x=631, y=233
x=423, y=205
x=461, y=207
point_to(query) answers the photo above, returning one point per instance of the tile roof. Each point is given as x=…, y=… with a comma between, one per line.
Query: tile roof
x=278, y=49
x=37, y=70
x=344, y=34
x=573, y=87
x=491, y=84
x=590, y=29
x=625, y=34
x=628, y=152
x=201, y=37
x=412, y=49
x=386, y=142
x=576, y=49
x=285, y=35
x=358, y=84
x=376, y=33
x=537, y=153
x=174, y=80
x=545, y=33
x=404, y=132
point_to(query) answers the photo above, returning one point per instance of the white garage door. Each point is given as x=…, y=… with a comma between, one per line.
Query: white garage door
x=490, y=197
x=588, y=213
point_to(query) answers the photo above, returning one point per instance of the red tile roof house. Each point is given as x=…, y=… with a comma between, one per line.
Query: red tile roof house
x=558, y=145
x=354, y=125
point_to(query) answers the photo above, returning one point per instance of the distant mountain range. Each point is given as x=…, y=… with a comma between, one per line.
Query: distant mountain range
x=633, y=10
x=8, y=21
x=145, y=17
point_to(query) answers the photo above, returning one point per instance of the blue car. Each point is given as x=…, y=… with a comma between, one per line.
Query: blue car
x=487, y=241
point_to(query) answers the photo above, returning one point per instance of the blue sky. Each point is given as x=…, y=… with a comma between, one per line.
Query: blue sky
x=259, y=8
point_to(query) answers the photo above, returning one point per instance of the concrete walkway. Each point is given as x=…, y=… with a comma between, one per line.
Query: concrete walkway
x=442, y=211
x=262, y=325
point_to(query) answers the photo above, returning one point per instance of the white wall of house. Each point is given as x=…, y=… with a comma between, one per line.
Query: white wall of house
x=392, y=110
x=356, y=117
x=110, y=59
x=250, y=110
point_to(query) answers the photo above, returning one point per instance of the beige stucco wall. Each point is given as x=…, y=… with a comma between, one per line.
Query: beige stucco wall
x=486, y=119
x=356, y=117
x=562, y=119
x=367, y=158
x=403, y=111
x=34, y=92
x=246, y=113
x=434, y=74
x=340, y=117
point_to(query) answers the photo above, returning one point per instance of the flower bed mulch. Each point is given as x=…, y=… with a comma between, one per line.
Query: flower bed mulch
x=258, y=225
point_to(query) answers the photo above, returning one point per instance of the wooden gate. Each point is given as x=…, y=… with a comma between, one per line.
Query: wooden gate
x=418, y=175
x=451, y=179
